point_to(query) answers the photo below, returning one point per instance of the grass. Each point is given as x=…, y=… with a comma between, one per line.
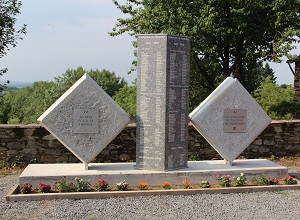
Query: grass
x=292, y=163
x=7, y=168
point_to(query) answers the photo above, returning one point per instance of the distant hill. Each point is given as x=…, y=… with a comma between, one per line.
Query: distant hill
x=17, y=85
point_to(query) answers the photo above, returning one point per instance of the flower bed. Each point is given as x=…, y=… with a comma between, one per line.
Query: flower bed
x=81, y=189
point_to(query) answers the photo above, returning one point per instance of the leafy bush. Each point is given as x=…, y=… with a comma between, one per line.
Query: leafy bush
x=63, y=186
x=224, y=181
x=26, y=188
x=276, y=100
x=82, y=185
x=261, y=181
x=101, y=185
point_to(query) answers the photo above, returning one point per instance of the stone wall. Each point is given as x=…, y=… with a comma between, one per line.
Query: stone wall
x=33, y=144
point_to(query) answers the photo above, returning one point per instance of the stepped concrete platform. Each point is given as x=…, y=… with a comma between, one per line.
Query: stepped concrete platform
x=196, y=172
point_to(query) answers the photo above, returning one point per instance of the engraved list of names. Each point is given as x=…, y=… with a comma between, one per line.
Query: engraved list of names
x=162, y=101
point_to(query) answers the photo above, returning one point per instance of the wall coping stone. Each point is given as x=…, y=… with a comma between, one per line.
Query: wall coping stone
x=131, y=124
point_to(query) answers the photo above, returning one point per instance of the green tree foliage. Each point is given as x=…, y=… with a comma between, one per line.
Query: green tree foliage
x=27, y=104
x=5, y=108
x=109, y=82
x=268, y=71
x=276, y=100
x=9, y=36
x=229, y=37
x=126, y=98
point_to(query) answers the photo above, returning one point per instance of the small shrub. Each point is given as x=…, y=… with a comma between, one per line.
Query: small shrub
x=186, y=184
x=193, y=157
x=289, y=180
x=3, y=164
x=224, y=181
x=205, y=184
x=167, y=185
x=143, y=186
x=63, y=186
x=240, y=181
x=26, y=188
x=43, y=188
x=82, y=185
x=273, y=181
x=261, y=181
x=101, y=185
x=122, y=186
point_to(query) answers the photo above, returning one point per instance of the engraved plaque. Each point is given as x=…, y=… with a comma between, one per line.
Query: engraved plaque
x=235, y=120
x=86, y=121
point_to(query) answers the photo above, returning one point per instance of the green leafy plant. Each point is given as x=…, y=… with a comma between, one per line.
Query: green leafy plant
x=63, y=186
x=273, y=181
x=205, y=184
x=289, y=180
x=101, y=185
x=3, y=164
x=224, y=181
x=82, y=185
x=167, y=185
x=186, y=184
x=142, y=185
x=122, y=186
x=193, y=157
x=26, y=188
x=261, y=181
x=240, y=181
x=43, y=188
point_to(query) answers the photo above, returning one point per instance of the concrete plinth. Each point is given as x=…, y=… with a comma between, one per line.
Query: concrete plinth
x=196, y=172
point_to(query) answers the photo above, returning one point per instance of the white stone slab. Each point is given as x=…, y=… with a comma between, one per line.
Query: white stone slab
x=85, y=119
x=214, y=119
x=196, y=172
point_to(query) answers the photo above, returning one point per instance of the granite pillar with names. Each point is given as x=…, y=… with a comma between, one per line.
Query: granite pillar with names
x=162, y=101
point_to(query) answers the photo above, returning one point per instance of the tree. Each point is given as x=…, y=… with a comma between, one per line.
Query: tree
x=27, y=104
x=109, y=82
x=268, y=71
x=229, y=37
x=126, y=98
x=9, y=36
x=5, y=108
x=277, y=101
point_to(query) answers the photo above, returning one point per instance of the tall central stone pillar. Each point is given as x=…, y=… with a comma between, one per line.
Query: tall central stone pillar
x=162, y=102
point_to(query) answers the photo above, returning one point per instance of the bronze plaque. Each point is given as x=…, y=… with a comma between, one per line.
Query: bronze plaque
x=235, y=120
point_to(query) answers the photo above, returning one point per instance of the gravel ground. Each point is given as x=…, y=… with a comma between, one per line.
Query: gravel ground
x=262, y=205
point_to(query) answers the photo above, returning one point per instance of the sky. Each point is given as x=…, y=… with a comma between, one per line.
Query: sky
x=66, y=34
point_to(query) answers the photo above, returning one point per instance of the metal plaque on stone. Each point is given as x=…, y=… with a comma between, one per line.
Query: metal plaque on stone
x=162, y=101
x=235, y=120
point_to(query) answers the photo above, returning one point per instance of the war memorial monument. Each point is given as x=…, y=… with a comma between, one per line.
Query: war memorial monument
x=85, y=119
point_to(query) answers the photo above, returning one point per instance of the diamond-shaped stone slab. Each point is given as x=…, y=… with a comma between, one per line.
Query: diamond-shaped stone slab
x=229, y=119
x=85, y=119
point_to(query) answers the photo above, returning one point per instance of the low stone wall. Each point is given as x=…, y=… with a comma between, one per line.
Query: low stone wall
x=34, y=144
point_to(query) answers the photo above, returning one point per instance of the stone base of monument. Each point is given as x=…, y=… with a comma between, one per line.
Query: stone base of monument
x=196, y=172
